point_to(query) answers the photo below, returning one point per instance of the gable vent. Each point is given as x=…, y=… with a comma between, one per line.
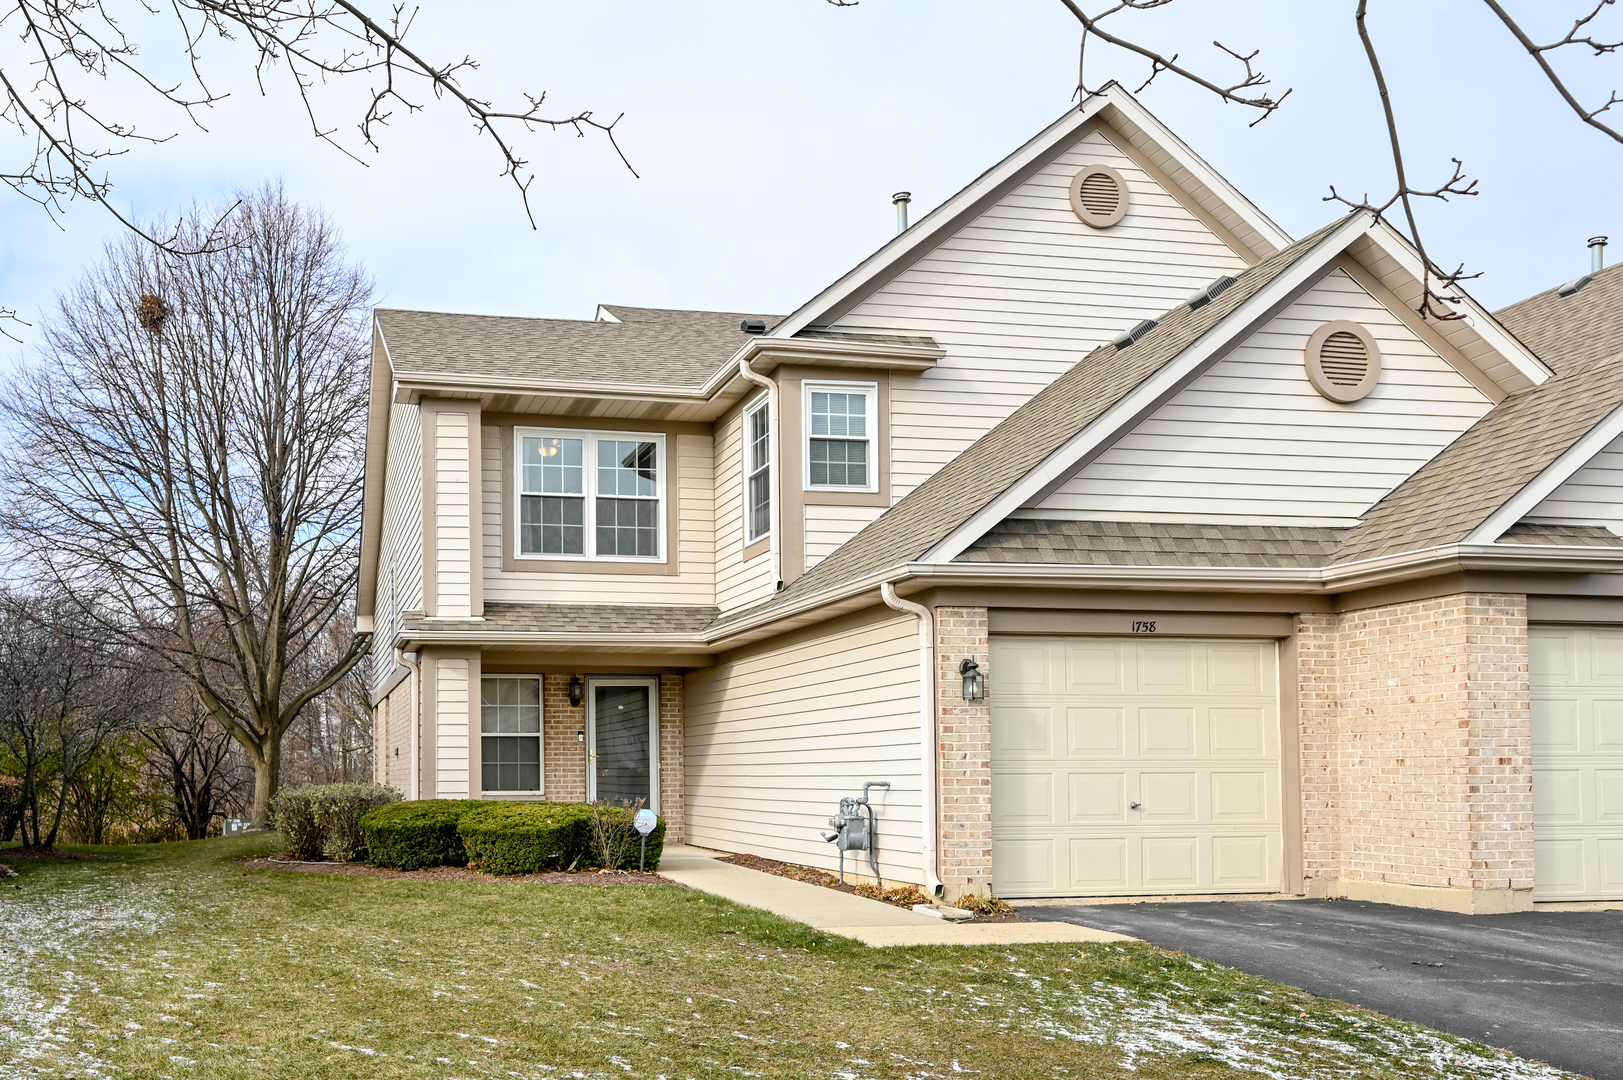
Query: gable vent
x=1099, y=196
x=1201, y=298
x=1343, y=361
x=1138, y=331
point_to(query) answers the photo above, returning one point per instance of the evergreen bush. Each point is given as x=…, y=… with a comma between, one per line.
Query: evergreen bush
x=524, y=837
x=412, y=835
x=294, y=812
x=339, y=809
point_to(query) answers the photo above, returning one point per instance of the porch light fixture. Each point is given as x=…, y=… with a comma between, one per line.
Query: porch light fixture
x=974, y=681
x=577, y=691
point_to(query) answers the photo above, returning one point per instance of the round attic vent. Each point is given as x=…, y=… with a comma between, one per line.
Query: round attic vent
x=1343, y=361
x=1099, y=196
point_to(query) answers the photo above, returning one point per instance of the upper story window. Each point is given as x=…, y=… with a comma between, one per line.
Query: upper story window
x=757, y=472
x=840, y=423
x=590, y=495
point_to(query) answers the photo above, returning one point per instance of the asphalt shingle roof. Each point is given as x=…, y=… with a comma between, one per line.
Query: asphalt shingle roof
x=577, y=619
x=648, y=346
x=1153, y=543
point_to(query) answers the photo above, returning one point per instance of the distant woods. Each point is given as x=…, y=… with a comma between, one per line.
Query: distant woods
x=182, y=484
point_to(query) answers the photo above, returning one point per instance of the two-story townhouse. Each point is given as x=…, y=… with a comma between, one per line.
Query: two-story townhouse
x=1139, y=548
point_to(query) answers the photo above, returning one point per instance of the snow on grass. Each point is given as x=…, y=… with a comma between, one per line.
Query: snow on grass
x=44, y=936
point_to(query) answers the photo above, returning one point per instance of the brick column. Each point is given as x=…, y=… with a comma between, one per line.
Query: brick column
x=964, y=774
x=672, y=778
x=1417, y=753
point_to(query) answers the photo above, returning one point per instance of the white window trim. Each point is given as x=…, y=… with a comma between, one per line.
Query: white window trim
x=650, y=681
x=540, y=736
x=589, y=493
x=871, y=392
x=760, y=404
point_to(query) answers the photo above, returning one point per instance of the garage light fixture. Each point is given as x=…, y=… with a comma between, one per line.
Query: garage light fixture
x=974, y=681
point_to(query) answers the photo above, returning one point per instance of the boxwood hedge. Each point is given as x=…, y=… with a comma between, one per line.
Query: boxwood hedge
x=412, y=835
x=501, y=837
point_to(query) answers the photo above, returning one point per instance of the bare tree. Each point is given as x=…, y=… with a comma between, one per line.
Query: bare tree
x=65, y=694
x=195, y=761
x=188, y=448
x=1247, y=88
x=331, y=741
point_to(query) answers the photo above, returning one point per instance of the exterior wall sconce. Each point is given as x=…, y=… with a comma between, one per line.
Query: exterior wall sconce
x=974, y=681
x=577, y=691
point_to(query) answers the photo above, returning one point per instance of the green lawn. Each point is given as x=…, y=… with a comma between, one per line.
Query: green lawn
x=172, y=961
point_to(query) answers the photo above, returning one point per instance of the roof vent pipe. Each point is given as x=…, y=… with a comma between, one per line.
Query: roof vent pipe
x=1597, y=254
x=901, y=199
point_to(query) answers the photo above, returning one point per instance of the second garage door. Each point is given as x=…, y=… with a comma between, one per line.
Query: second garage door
x=1134, y=766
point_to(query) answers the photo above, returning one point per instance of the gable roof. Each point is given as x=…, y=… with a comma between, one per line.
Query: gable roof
x=646, y=346
x=972, y=480
x=1255, y=233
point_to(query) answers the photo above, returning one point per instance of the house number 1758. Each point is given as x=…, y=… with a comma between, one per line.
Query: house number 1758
x=1143, y=626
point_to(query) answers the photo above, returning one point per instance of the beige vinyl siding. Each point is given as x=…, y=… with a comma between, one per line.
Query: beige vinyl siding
x=453, y=516
x=451, y=708
x=1251, y=441
x=777, y=735
x=827, y=527
x=739, y=581
x=1591, y=496
x=694, y=583
x=402, y=540
x=1017, y=296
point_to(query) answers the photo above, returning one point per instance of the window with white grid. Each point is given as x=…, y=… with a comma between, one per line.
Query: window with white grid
x=510, y=733
x=840, y=421
x=757, y=472
x=590, y=495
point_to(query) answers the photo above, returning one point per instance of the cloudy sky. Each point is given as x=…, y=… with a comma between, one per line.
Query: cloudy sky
x=770, y=134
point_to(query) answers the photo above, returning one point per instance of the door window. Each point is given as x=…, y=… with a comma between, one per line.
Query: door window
x=624, y=759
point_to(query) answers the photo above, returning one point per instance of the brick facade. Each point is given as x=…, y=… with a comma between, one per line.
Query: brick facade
x=1417, y=751
x=964, y=772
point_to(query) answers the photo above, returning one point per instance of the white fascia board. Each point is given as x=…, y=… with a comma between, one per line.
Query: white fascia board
x=375, y=464
x=926, y=232
x=1545, y=483
x=1479, y=319
x=1197, y=166
x=1109, y=426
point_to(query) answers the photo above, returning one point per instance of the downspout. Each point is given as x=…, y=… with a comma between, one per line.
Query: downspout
x=775, y=486
x=414, y=784
x=927, y=734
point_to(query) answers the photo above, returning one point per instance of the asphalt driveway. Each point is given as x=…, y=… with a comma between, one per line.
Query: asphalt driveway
x=1545, y=985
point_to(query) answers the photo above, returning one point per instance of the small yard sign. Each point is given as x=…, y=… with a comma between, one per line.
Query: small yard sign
x=645, y=821
x=235, y=825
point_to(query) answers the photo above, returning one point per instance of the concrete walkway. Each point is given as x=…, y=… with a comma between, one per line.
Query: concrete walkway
x=868, y=921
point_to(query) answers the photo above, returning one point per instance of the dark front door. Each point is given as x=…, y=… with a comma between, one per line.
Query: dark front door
x=623, y=760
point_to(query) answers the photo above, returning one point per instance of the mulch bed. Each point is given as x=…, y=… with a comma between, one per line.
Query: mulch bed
x=462, y=873
x=812, y=876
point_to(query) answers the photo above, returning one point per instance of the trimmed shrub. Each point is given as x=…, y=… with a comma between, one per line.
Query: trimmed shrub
x=524, y=837
x=412, y=835
x=294, y=812
x=339, y=809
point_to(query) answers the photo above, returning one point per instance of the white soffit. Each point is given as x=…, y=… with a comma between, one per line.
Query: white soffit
x=1478, y=337
x=1116, y=109
x=1153, y=391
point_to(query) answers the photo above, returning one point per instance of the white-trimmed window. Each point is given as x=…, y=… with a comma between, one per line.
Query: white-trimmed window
x=840, y=421
x=757, y=472
x=510, y=733
x=590, y=495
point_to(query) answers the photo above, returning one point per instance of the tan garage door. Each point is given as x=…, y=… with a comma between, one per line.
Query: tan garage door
x=1577, y=683
x=1134, y=766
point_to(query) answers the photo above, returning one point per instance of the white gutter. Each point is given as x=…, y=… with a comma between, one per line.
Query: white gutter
x=928, y=741
x=774, y=484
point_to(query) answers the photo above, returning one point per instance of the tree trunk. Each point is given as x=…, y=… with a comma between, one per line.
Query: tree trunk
x=267, y=778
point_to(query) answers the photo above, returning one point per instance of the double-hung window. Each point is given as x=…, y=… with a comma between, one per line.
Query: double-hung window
x=840, y=421
x=591, y=495
x=757, y=472
x=510, y=733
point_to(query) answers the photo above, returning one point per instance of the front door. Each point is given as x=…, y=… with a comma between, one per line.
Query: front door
x=623, y=740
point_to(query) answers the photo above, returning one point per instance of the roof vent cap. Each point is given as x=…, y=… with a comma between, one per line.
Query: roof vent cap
x=1134, y=334
x=1202, y=297
x=1575, y=286
x=753, y=326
